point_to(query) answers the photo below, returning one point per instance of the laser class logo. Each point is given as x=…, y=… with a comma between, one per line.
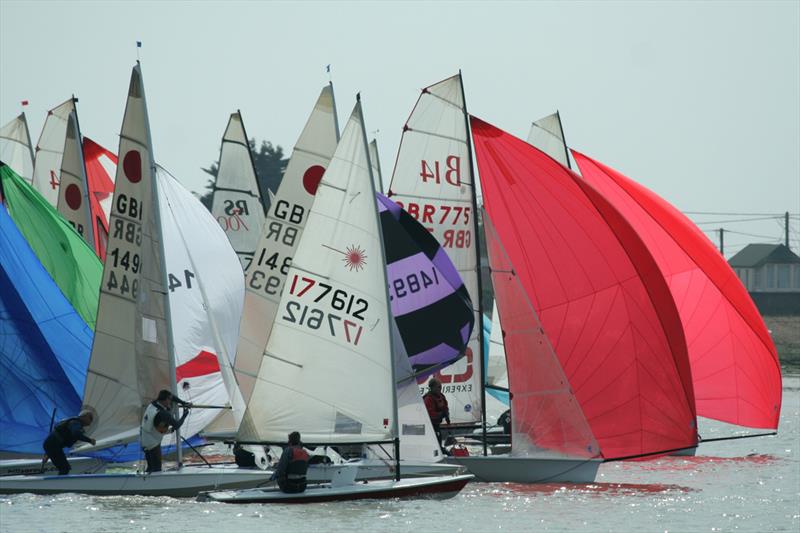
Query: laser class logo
x=355, y=258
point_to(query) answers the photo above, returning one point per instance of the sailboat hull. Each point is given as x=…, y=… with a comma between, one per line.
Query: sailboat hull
x=21, y=467
x=439, y=488
x=504, y=468
x=377, y=469
x=187, y=482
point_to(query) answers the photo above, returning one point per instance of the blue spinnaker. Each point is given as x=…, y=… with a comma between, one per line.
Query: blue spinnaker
x=44, y=346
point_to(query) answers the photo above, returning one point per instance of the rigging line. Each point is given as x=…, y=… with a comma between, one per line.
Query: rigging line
x=733, y=214
x=737, y=437
x=195, y=451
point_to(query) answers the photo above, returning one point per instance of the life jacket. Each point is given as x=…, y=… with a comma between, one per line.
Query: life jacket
x=298, y=464
x=63, y=432
x=436, y=405
x=459, y=450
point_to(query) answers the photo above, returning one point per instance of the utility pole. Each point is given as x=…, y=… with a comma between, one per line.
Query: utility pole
x=722, y=241
x=786, y=226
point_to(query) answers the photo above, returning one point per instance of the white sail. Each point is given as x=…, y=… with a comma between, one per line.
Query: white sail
x=16, y=150
x=328, y=371
x=49, y=150
x=548, y=136
x=73, y=192
x=376, y=165
x=288, y=212
x=433, y=182
x=496, y=373
x=206, y=291
x=237, y=204
x=130, y=362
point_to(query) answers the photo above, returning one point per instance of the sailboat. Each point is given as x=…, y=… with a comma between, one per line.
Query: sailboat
x=328, y=370
x=50, y=150
x=236, y=198
x=73, y=191
x=16, y=150
x=140, y=346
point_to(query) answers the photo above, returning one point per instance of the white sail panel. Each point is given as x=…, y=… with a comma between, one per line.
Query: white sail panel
x=206, y=291
x=73, y=192
x=49, y=150
x=237, y=204
x=327, y=371
x=288, y=212
x=433, y=182
x=497, y=373
x=374, y=158
x=129, y=362
x=548, y=136
x=15, y=147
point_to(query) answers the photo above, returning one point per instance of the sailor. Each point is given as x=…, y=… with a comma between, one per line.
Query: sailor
x=156, y=422
x=64, y=435
x=436, y=404
x=292, y=466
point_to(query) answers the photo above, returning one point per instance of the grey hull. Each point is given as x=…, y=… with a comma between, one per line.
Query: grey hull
x=503, y=468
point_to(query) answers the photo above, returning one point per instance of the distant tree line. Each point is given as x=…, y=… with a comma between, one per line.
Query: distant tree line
x=270, y=165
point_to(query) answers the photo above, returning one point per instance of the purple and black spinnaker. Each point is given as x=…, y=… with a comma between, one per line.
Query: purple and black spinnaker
x=431, y=306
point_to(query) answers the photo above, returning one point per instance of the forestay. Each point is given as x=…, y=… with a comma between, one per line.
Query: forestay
x=288, y=212
x=432, y=181
x=206, y=290
x=547, y=135
x=73, y=192
x=130, y=360
x=16, y=150
x=546, y=416
x=735, y=368
x=49, y=151
x=603, y=305
x=327, y=371
x=237, y=203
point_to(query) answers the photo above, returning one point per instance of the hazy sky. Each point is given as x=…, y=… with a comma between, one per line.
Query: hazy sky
x=698, y=101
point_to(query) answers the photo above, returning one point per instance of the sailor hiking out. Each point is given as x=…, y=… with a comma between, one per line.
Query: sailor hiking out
x=64, y=435
x=292, y=466
x=156, y=422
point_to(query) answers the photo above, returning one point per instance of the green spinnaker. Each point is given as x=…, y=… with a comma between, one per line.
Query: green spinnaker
x=71, y=262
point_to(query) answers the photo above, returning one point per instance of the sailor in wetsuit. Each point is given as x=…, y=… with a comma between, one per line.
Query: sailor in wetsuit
x=64, y=435
x=292, y=466
x=436, y=404
x=157, y=421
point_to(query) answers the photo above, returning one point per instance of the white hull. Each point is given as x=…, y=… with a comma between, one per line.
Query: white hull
x=187, y=482
x=377, y=469
x=22, y=467
x=441, y=487
x=504, y=468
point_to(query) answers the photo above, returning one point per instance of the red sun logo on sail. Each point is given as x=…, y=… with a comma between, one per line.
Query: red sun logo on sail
x=355, y=258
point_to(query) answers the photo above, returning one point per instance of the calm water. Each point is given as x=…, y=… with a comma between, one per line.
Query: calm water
x=745, y=485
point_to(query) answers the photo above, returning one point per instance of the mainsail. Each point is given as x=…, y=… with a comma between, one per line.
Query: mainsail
x=735, y=368
x=429, y=302
x=546, y=416
x=49, y=151
x=327, y=371
x=237, y=203
x=280, y=236
x=547, y=135
x=64, y=254
x=206, y=290
x=597, y=291
x=432, y=181
x=73, y=192
x=44, y=346
x=101, y=167
x=130, y=361
x=15, y=147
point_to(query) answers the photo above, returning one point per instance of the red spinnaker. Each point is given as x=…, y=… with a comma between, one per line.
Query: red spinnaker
x=101, y=190
x=735, y=367
x=599, y=294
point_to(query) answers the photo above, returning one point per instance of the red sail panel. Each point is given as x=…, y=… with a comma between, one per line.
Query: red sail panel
x=546, y=416
x=598, y=292
x=101, y=189
x=735, y=367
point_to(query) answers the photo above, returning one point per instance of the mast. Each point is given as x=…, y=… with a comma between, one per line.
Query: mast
x=89, y=213
x=252, y=162
x=479, y=326
x=173, y=384
x=563, y=139
x=389, y=315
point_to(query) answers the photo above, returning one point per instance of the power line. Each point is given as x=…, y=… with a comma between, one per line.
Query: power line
x=731, y=221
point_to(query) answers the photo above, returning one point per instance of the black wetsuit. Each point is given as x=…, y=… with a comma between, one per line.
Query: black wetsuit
x=291, y=470
x=64, y=435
